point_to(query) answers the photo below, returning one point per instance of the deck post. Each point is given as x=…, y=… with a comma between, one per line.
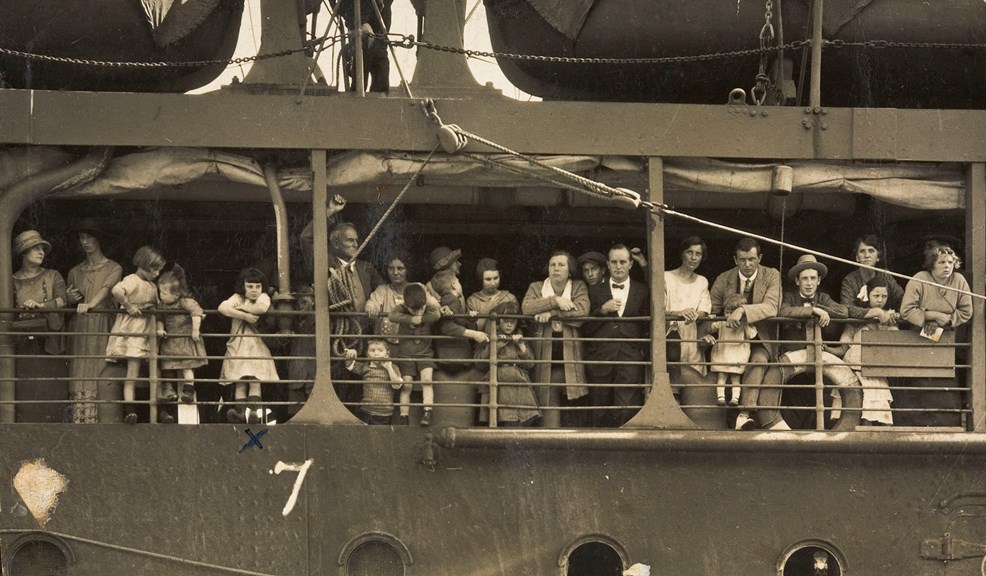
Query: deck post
x=975, y=253
x=661, y=410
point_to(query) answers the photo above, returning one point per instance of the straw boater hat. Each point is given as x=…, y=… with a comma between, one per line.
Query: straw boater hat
x=804, y=263
x=591, y=257
x=29, y=239
x=443, y=257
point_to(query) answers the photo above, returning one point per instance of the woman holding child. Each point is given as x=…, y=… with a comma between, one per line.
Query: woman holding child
x=868, y=251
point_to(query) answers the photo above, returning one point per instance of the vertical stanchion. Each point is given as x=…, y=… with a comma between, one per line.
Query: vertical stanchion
x=153, y=377
x=816, y=357
x=975, y=234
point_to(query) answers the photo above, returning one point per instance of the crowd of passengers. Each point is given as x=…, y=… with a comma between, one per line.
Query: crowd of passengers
x=739, y=348
x=570, y=352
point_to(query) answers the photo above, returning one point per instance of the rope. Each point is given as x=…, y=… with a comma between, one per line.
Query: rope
x=599, y=189
x=138, y=551
x=393, y=204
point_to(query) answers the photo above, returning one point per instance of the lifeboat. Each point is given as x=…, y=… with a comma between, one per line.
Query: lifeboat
x=872, y=75
x=116, y=31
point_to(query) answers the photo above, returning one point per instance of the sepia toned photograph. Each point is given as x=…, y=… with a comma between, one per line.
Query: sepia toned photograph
x=492, y=287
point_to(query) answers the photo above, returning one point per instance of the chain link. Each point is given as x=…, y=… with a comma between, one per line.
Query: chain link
x=879, y=44
x=408, y=41
x=572, y=60
x=124, y=64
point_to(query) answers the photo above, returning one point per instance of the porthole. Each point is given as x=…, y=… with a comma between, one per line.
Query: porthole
x=812, y=558
x=37, y=555
x=375, y=554
x=375, y=558
x=594, y=555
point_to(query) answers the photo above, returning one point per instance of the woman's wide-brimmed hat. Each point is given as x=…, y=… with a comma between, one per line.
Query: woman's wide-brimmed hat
x=29, y=239
x=804, y=263
x=443, y=257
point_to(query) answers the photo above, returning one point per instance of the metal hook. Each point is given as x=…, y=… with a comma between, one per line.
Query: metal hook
x=432, y=112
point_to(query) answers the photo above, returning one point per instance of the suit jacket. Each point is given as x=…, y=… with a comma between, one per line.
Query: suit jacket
x=368, y=275
x=766, y=299
x=638, y=304
x=793, y=306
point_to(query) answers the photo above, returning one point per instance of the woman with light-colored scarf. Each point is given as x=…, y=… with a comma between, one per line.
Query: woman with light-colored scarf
x=552, y=302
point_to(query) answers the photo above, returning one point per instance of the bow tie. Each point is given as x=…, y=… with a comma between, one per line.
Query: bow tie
x=807, y=300
x=619, y=286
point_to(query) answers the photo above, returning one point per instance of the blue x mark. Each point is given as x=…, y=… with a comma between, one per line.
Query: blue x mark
x=254, y=440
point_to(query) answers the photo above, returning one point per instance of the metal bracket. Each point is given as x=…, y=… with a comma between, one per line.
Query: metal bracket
x=948, y=548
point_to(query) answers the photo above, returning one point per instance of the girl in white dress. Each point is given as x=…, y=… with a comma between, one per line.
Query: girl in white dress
x=876, y=390
x=129, y=338
x=731, y=351
x=248, y=361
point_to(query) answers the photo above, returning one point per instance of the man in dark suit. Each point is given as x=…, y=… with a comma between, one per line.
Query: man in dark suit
x=762, y=287
x=617, y=297
x=359, y=276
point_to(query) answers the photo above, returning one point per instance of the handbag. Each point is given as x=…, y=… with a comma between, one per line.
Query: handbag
x=33, y=324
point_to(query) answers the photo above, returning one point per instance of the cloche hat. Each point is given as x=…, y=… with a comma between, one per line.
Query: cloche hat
x=29, y=239
x=804, y=263
x=92, y=227
x=443, y=257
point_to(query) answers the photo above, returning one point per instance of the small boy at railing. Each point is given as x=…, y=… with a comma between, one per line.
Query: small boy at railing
x=379, y=375
x=415, y=317
x=731, y=351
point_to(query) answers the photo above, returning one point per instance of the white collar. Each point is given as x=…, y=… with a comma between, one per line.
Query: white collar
x=625, y=283
x=744, y=278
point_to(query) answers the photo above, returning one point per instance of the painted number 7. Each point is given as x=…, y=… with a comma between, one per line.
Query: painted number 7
x=301, y=469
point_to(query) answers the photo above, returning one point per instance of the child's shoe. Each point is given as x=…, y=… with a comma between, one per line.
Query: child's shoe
x=165, y=417
x=235, y=415
x=426, y=419
x=167, y=393
x=254, y=411
x=130, y=414
x=187, y=393
x=721, y=401
x=405, y=420
x=734, y=402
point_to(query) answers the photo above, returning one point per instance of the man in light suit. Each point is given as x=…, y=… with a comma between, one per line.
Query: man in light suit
x=354, y=282
x=762, y=287
x=615, y=298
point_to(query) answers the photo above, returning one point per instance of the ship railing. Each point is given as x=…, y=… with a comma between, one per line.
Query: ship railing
x=480, y=378
x=920, y=376
x=50, y=384
x=818, y=383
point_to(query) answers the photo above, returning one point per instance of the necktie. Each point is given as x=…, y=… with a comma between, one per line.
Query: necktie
x=618, y=286
x=747, y=288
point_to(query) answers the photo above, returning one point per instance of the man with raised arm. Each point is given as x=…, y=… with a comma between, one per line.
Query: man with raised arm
x=761, y=286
